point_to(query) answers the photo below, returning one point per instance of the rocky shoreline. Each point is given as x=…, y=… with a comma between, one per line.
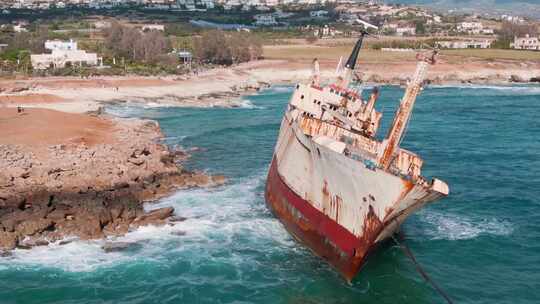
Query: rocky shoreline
x=88, y=186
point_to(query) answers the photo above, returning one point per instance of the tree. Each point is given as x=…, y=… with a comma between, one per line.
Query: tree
x=131, y=43
x=420, y=27
x=509, y=30
x=227, y=48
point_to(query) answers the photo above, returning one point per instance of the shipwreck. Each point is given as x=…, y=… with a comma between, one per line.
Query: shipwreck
x=337, y=188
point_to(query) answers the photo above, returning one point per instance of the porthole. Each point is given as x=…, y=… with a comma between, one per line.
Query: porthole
x=302, y=97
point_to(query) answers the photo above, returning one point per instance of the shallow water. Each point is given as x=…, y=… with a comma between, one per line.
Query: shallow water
x=481, y=244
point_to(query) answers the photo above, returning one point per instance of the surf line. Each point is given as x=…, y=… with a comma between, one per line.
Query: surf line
x=421, y=270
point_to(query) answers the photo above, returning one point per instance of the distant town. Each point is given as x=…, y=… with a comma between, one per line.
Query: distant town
x=113, y=36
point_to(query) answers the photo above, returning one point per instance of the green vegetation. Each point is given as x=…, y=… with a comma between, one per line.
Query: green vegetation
x=493, y=54
x=403, y=44
x=219, y=47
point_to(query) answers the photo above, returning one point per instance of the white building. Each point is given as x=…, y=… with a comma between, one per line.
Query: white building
x=466, y=44
x=61, y=58
x=60, y=45
x=318, y=14
x=470, y=27
x=408, y=30
x=153, y=27
x=208, y=3
x=265, y=20
x=63, y=53
x=19, y=28
x=102, y=24
x=526, y=43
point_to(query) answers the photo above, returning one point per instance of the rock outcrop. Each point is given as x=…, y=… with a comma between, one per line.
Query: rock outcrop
x=88, y=190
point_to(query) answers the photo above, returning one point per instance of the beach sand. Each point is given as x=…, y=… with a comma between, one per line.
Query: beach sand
x=223, y=86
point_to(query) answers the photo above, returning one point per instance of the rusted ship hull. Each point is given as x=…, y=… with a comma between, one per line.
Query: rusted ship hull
x=337, y=206
x=343, y=250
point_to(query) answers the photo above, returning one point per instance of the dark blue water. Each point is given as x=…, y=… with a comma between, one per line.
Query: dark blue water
x=481, y=244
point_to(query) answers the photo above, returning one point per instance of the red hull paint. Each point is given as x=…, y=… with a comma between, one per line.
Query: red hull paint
x=329, y=240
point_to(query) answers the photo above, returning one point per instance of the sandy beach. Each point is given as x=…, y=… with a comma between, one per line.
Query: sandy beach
x=223, y=86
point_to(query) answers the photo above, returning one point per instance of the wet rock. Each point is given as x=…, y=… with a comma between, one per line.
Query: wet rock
x=517, y=78
x=119, y=246
x=179, y=233
x=24, y=246
x=153, y=217
x=32, y=242
x=115, y=247
x=177, y=218
x=65, y=242
x=5, y=254
x=219, y=179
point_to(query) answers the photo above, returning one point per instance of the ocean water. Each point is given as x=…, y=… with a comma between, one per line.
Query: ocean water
x=481, y=244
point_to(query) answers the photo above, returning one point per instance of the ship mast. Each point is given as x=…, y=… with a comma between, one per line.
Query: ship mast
x=403, y=114
x=351, y=62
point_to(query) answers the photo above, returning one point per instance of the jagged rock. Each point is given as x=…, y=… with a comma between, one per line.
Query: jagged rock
x=9, y=224
x=33, y=242
x=8, y=240
x=57, y=215
x=219, y=179
x=177, y=218
x=31, y=227
x=516, y=78
x=88, y=190
x=136, y=161
x=119, y=246
x=116, y=210
x=153, y=217
x=5, y=254
x=65, y=242
x=89, y=227
x=116, y=246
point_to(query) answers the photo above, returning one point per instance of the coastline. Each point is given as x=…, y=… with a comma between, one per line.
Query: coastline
x=223, y=87
x=65, y=183
x=86, y=176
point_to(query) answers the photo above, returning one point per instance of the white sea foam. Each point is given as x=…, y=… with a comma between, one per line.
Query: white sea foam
x=245, y=103
x=456, y=227
x=215, y=217
x=530, y=90
x=281, y=89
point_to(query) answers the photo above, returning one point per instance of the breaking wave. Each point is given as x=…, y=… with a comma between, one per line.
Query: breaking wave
x=245, y=103
x=453, y=227
x=280, y=89
x=215, y=219
x=525, y=90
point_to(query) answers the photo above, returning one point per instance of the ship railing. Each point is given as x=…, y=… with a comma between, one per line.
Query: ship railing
x=407, y=164
x=315, y=127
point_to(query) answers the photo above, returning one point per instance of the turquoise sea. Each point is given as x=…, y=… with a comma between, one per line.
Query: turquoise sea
x=481, y=244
